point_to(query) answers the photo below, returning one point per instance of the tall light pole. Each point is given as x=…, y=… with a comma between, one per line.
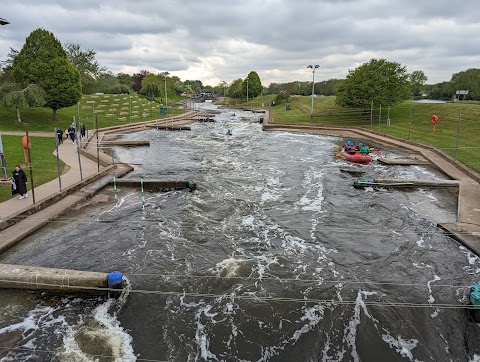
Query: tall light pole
x=247, y=89
x=313, y=67
x=224, y=88
x=166, y=96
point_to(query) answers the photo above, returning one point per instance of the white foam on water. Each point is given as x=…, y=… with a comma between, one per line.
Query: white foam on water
x=248, y=221
x=350, y=332
x=201, y=336
x=30, y=322
x=228, y=267
x=402, y=346
x=473, y=267
x=312, y=316
x=420, y=243
x=474, y=358
x=313, y=198
x=422, y=265
x=109, y=329
x=431, y=299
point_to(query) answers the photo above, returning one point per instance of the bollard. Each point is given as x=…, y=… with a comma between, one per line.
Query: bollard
x=191, y=185
x=114, y=281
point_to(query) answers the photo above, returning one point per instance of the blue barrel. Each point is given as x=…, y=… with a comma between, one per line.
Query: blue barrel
x=115, y=280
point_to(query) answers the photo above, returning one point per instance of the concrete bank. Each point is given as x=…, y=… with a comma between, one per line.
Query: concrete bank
x=53, y=280
x=467, y=228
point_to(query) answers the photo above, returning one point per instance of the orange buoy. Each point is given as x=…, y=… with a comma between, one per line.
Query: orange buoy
x=26, y=142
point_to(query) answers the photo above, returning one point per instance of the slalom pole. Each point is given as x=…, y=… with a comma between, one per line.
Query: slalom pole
x=115, y=189
x=143, y=193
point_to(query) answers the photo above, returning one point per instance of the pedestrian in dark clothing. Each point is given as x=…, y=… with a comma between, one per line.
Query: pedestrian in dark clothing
x=72, y=133
x=82, y=130
x=19, y=182
x=60, y=135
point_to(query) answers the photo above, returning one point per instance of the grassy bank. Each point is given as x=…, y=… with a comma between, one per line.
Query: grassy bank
x=409, y=120
x=110, y=109
x=44, y=162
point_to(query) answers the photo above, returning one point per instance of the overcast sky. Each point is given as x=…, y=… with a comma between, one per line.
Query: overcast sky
x=222, y=40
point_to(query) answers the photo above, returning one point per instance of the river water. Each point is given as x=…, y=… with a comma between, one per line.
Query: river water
x=275, y=257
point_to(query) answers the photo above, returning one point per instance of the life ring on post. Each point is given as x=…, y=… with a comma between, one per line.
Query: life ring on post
x=26, y=142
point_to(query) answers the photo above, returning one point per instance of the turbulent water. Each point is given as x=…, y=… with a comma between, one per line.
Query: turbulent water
x=275, y=257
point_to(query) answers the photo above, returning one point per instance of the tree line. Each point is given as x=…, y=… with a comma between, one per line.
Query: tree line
x=46, y=73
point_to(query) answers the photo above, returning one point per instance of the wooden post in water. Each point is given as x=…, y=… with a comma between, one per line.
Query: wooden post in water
x=115, y=188
x=143, y=193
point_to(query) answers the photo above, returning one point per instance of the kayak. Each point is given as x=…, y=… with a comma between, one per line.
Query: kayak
x=356, y=157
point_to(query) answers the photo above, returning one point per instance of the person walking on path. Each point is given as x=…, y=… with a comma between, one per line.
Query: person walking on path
x=19, y=184
x=82, y=130
x=60, y=135
x=72, y=133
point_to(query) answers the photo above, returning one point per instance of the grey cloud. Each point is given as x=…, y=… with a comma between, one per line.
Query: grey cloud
x=286, y=35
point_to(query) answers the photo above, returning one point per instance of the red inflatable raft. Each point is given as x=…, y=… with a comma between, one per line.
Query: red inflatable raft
x=357, y=157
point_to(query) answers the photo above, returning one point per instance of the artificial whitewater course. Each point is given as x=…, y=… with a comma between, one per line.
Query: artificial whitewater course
x=275, y=257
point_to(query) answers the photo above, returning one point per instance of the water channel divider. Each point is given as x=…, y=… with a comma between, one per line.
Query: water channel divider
x=64, y=281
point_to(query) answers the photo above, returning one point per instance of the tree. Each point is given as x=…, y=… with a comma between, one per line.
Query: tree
x=379, y=80
x=467, y=80
x=235, y=90
x=151, y=86
x=417, y=82
x=44, y=62
x=254, y=85
x=125, y=79
x=85, y=62
x=137, y=80
x=6, y=66
x=195, y=85
x=12, y=95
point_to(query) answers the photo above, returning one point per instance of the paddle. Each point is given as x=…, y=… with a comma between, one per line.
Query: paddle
x=378, y=153
x=336, y=146
x=338, y=154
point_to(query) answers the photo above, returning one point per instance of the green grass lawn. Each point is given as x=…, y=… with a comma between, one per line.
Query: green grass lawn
x=110, y=109
x=44, y=162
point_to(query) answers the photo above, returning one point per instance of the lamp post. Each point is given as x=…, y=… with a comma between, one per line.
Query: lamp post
x=166, y=96
x=313, y=67
x=224, y=88
x=247, y=89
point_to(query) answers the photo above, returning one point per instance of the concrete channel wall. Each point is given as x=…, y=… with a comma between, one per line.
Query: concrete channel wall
x=63, y=281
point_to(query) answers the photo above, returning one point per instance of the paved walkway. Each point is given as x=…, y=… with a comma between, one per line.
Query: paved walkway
x=68, y=153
